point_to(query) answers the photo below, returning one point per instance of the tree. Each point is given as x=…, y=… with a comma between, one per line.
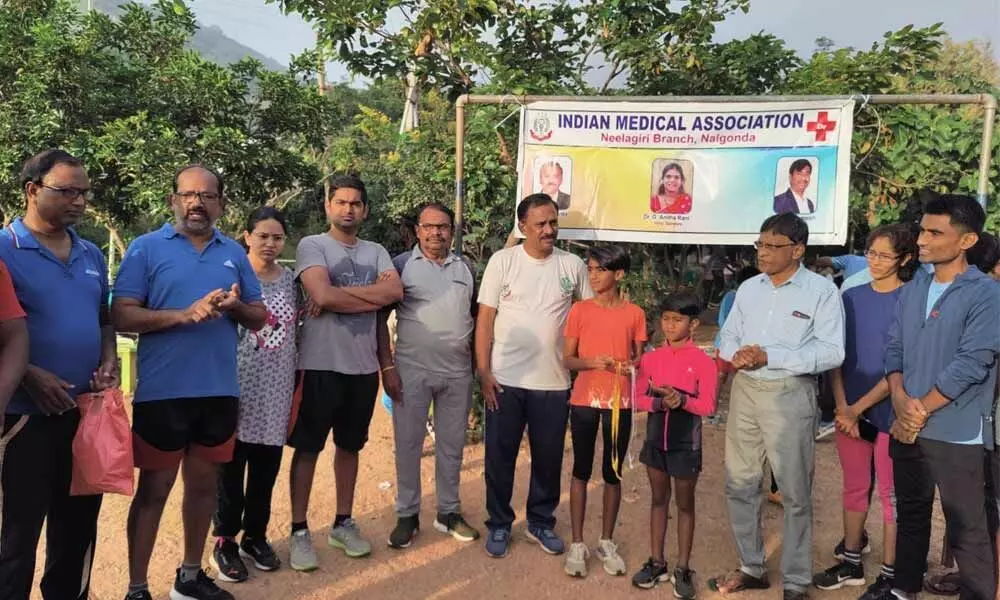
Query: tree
x=127, y=98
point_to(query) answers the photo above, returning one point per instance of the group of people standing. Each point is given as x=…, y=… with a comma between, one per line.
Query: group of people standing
x=239, y=356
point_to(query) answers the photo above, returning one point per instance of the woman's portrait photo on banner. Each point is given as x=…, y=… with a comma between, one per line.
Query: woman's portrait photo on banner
x=552, y=175
x=671, y=183
x=795, y=185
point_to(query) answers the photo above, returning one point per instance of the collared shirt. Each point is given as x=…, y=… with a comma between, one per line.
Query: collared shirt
x=800, y=324
x=163, y=270
x=434, y=320
x=802, y=202
x=62, y=301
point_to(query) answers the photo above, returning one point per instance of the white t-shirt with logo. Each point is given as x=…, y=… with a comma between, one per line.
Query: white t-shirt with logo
x=532, y=298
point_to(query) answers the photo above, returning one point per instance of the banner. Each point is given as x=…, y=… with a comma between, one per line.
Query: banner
x=692, y=173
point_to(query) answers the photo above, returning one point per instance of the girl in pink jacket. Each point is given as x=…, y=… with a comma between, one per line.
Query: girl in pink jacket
x=676, y=384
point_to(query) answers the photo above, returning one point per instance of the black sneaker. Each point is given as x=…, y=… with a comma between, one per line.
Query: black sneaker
x=142, y=595
x=880, y=590
x=260, y=553
x=202, y=588
x=456, y=526
x=838, y=551
x=225, y=559
x=406, y=529
x=683, y=580
x=839, y=575
x=651, y=574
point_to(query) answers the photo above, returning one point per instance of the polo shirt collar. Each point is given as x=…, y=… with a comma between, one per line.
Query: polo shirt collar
x=687, y=345
x=25, y=240
x=169, y=232
x=418, y=254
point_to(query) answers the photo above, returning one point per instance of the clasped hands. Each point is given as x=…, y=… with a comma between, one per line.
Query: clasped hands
x=749, y=358
x=606, y=363
x=670, y=399
x=911, y=417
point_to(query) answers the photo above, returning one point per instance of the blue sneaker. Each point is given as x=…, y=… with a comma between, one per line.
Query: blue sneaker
x=547, y=539
x=498, y=542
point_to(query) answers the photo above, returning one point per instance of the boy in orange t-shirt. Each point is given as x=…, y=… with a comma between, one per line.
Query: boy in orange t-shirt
x=603, y=339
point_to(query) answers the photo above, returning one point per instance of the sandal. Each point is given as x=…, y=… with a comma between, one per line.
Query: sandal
x=943, y=584
x=737, y=581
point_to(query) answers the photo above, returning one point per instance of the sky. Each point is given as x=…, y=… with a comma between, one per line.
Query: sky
x=799, y=22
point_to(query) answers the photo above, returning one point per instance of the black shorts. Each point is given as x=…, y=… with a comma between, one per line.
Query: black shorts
x=584, y=422
x=685, y=464
x=165, y=430
x=327, y=400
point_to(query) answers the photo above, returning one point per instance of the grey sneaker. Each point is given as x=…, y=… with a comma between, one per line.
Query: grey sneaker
x=303, y=556
x=348, y=538
x=576, y=560
x=683, y=580
x=607, y=551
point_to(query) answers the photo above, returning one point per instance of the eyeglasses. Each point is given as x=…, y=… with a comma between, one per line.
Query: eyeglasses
x=68, y=193
x=442, y=227
x=277, y=237
x=759, y=245
x=879, y=257
x=204, y=197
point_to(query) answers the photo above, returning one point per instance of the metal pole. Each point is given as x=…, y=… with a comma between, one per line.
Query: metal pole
x=459, y=171
x=990, y=116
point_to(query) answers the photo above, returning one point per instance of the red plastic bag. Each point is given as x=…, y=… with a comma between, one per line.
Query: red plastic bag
x=102, y=447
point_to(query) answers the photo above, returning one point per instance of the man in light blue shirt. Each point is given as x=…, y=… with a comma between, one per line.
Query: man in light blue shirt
x=849, y=264
x=786, y=326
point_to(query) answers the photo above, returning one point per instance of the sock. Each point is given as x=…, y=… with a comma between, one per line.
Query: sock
x=853, y=557
x=189, y=572
x=134, y=589
x=339, y=519
x=889, y=571
x=299, y=526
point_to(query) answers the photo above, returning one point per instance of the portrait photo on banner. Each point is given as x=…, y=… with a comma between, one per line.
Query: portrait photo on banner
x=552, y=175
x=795, y=186
x=671, y=184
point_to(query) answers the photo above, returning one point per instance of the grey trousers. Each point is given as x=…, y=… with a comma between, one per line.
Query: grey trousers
x=776, y=420
x=452, y=398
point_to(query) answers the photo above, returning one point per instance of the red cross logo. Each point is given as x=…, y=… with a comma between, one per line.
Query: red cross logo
x=821, y=126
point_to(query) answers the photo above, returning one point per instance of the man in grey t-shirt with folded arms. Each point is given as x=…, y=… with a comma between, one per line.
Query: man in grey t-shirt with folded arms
x=342, y=351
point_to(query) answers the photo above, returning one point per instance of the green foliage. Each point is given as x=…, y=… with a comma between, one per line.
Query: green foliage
x=127, y=97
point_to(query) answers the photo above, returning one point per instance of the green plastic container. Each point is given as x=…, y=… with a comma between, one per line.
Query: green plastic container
x=127, y=358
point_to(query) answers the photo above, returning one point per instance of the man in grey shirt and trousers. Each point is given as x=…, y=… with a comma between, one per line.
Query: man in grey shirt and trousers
x=786, y=326
x=434, y=329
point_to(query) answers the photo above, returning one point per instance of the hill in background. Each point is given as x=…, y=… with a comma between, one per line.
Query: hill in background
x=210, y=42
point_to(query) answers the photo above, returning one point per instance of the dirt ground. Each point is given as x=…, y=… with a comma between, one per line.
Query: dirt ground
x=437, y=567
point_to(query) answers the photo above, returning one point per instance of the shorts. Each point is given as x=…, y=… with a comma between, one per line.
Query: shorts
x=583, y=424
x=165, y=430
x=327, y=400
x=685, y=464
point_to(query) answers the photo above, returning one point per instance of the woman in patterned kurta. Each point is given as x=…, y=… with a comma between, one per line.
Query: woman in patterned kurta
x=267, y=380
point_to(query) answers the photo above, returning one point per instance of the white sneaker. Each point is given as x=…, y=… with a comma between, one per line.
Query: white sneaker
x=576, y=560
x=607, y=551
x=303, y=556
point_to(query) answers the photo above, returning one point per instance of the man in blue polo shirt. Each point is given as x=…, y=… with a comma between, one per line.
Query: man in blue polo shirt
x=184, y=289
x=61, y=282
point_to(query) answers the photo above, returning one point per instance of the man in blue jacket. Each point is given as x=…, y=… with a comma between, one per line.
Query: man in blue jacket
x=941, y=368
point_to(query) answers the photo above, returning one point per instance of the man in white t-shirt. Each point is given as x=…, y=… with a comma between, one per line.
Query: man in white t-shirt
x=524, y=297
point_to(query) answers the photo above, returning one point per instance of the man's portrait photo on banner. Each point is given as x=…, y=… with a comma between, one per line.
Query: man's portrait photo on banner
x=671, y=183
x=551, y=175
x=795, y=185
